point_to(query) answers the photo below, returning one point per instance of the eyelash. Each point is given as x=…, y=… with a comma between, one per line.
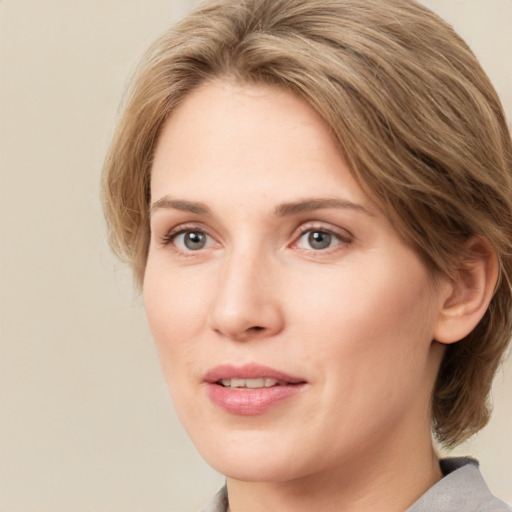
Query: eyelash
x=342, y=239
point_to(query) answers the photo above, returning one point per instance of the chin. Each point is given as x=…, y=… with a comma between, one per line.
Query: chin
x=252, y=458
x=260, y=468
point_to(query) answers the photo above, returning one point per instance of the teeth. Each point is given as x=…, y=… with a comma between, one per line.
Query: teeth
x=249, y=383
x=254, y=383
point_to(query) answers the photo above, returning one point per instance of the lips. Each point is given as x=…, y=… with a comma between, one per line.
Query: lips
x=250, y=389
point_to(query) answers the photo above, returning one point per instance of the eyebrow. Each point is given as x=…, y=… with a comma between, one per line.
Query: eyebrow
x=283, y=210
x=167, y=202
x=308, y=205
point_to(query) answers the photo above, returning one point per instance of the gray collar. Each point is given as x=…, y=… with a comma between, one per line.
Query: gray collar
x=219, y=503
x=461, y=490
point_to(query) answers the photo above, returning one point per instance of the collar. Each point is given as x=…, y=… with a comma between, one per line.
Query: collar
x=462, y=489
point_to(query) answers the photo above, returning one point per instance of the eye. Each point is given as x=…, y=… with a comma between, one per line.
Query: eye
x=190, y=240
x=318, y=240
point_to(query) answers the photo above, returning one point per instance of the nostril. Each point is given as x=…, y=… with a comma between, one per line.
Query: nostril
x=256, y=328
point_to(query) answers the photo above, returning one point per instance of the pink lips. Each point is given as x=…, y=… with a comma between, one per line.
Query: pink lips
x=246, y=401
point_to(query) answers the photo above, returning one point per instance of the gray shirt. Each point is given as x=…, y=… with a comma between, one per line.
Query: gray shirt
x=462, y=489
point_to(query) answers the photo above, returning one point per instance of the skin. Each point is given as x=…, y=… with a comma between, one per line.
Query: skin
x=356, y=320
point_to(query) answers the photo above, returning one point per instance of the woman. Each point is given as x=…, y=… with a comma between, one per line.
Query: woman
x=316, y=199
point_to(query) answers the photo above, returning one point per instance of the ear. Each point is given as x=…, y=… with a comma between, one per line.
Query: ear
x=470, y=292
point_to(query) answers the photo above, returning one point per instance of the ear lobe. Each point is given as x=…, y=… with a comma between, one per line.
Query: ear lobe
x=471, y=292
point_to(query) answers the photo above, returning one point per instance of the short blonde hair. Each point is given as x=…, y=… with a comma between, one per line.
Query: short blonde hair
x=417, y=120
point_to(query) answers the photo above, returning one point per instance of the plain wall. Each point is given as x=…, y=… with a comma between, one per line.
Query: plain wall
x=86, y=423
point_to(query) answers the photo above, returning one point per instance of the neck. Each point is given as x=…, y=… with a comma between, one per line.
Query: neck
x=384, y=482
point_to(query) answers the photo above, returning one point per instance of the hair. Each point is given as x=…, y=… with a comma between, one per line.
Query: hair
x=417, y=120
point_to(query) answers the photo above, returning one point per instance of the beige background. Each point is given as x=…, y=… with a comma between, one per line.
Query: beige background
x=86, y=423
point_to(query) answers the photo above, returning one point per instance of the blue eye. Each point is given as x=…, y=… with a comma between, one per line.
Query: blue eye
x=191, y=240
x=317, y=240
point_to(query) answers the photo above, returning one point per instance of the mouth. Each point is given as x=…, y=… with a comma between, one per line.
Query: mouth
x=250, y=389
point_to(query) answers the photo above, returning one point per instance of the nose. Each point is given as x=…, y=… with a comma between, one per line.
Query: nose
x=247, y=305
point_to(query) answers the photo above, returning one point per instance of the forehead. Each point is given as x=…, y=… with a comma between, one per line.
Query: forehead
x=236, y=137
x=223, y=114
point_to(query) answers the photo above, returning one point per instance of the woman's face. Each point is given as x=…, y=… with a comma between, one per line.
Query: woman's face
x=293, y=324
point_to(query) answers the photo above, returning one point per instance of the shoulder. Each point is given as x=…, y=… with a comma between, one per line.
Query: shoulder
x=462, y=489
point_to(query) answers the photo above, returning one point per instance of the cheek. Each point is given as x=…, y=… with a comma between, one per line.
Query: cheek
x=364, y=296
x=176, y=306
x=368, y=341
x=378, y=317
